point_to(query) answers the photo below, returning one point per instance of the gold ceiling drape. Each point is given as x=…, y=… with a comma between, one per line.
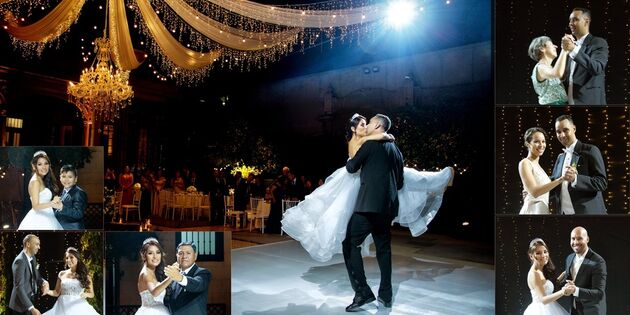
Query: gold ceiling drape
x=49, y=27
x=229, y=36
x=303, y=18
x=170, y=47
x=120, y=40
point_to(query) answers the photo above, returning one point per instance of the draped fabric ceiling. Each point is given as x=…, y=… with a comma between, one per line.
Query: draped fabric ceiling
x=289, y=26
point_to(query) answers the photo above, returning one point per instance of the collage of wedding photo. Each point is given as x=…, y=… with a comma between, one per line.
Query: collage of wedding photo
x=256, y=157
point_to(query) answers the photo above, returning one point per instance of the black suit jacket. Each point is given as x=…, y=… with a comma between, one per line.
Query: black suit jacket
x=587, y=197
x=381, y=165
x=193, y=298
x=589, y=81
x=25, y=283
x=74, y=205
x=591, y=279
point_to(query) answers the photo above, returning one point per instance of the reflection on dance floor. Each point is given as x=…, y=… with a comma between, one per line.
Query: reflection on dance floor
x=281, y=278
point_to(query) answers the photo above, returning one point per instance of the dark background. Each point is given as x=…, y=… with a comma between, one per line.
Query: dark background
x=179, y=134
x=609, y=237
x=518, y=22
x=605, y=127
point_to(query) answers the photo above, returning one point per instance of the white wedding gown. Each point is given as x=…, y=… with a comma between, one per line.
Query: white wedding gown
x=540, y=204
x=70, y=301
x=152, y=305
x=43, y=219
x=538, y=308
x=319, y=221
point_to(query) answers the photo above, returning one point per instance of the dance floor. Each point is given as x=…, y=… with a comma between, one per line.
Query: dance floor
x=281, y=278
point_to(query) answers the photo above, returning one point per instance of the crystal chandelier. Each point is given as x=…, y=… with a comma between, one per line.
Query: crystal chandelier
x=103, y=89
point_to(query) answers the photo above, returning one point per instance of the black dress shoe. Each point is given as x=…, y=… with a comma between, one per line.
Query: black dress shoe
x=387, y=304
x=358, y=301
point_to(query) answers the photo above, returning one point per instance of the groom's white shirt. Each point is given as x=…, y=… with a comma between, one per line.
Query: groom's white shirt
x=577, y=262
x=572, y=54
x=184, y=281
x=565, y=199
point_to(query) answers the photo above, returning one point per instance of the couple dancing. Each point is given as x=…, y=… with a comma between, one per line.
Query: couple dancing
x=584, y=291
x=578, y=180
x=180, y=288
x=74, y=284
x=63, y=212
x=578, y=75
x=340, y=215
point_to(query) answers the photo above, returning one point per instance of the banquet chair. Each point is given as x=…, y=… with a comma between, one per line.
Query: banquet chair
x=287, y=204
x=259, y=211
x=134, y=206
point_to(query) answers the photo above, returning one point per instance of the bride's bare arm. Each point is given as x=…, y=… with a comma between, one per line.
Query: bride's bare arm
x=34, y=187
x=154, y=288
x=88, y=292
x=355, y=145
x=529, y=182
x=378, y=136
x=57, y=290
x=539, y=286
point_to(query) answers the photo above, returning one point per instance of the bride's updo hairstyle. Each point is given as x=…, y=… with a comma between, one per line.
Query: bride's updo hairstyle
x=159, y=270
x=529, y=134
x=549, y=268
x=81, y=270
x=353, y=123
x=50, y=180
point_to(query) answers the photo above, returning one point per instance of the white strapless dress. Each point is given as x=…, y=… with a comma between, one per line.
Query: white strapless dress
x=152, y=305
x=319, y=222
x=43, y=219
x=538, y=308
x=540, y=204
x=70, y=301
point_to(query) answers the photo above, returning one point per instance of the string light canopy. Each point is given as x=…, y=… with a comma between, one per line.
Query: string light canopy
x=103, y=89
x=187, y=38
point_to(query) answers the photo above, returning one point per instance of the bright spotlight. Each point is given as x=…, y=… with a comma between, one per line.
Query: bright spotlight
x=401, y=13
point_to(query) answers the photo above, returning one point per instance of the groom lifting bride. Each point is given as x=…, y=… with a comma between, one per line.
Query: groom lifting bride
x=381, y=165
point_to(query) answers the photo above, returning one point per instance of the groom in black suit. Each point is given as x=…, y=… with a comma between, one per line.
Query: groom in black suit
x=583, y=193
x=188, y=293
x=585, y=73
x=381, y=165
x=585, y=272
x=26, y=278
x=71, y=209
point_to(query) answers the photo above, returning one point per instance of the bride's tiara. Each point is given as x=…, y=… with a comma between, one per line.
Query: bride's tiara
x=355, y=116
x=150, y=239
x=40, y=152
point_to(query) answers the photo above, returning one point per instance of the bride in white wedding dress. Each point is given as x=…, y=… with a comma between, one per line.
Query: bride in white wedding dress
x=73, y=287
x=319, y=222
x=41, y=188
x=541, y=289
x=152, y=282
x=535, y=181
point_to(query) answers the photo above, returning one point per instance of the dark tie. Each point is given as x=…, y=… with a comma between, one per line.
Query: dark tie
x=65, y=193
x=33, y=276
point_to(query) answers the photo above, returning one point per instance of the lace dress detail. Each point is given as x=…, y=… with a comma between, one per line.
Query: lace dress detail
x=538, y=308
x=550, y=91
x=152, y=305
x=540, y=204
x=43, y=219
x=70, y=302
